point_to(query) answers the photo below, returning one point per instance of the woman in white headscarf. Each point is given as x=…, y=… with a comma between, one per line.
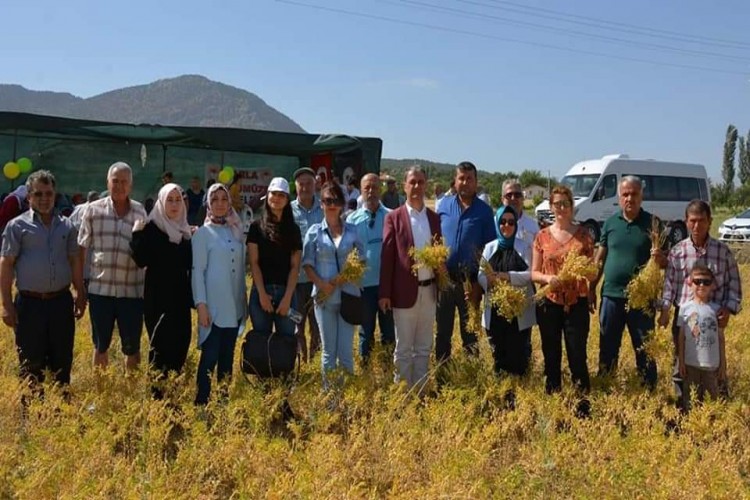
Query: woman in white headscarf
x=162, y=245
x=218, y=288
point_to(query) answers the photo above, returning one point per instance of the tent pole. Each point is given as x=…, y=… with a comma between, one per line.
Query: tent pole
x=15, y=143
x=163, y=157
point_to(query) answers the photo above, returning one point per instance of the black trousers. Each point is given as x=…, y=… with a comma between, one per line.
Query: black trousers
x=448, y=301
x=44, y=337
x=509, y=346
x=556, y=325
x=169, y=333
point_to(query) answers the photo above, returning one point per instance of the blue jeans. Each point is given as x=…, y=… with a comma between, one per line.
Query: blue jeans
x=337, y=339
x=612, y=320
x=271, y=322
x=217, y=349
x=128, y=312
x=371, y=313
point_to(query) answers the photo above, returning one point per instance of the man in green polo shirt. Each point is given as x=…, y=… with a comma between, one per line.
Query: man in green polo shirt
x=624, y=247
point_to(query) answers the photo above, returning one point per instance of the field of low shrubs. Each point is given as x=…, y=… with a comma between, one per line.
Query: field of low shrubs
x=111, y=440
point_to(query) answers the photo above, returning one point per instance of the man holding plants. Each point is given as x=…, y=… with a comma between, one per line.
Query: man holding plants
x=624, y=248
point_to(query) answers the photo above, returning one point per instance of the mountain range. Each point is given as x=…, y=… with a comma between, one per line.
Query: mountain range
x=189, y=100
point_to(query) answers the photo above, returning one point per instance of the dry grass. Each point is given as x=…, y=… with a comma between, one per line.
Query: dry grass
x=380, y=442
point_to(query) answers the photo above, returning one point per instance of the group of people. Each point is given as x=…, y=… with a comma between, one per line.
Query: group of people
x=131, y=267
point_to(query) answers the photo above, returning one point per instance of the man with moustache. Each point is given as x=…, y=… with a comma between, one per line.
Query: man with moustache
x=369, y=223
x=412, y=297
x=306, y=210
x=40, y=251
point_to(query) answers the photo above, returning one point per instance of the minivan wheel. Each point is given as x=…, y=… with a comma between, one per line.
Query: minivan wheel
x=677, y=233
x=593, y=228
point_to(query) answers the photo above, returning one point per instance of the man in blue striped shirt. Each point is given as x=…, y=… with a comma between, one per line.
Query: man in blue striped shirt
x=369, y=223
x=467, y=225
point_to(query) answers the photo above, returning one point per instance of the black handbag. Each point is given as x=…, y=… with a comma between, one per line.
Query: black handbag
x=352, y=309
x=268, y=355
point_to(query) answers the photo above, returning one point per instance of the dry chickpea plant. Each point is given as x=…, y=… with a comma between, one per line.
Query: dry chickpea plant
x=352, y=272
x=646, y=286
x=433, y=257
x=509, y=301
x=575, y=267
x=110, y=439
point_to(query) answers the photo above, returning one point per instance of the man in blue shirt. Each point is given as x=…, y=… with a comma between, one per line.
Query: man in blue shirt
x=40, y=252
x=306, y=210
x=467, y=225
x=369, y=223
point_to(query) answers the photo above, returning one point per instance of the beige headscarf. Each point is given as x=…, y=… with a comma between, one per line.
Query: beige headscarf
x=178, y=229
x=232, y=220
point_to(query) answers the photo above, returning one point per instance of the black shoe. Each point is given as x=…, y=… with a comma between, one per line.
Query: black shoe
x=583, y=409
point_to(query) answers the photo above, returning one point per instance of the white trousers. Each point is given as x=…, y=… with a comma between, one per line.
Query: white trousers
x=414, y=334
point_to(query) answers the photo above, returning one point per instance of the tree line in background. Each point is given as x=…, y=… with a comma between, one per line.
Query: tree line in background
x=443, y=173
x=736, y=163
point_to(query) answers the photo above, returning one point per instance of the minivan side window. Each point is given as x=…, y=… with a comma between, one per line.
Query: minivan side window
x=607, y=188
x=667, y=188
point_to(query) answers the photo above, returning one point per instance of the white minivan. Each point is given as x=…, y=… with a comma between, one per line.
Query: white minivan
x=667, y=189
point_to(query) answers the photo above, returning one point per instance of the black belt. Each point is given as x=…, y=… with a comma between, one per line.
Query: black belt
x=426, y=282
x=43, y=295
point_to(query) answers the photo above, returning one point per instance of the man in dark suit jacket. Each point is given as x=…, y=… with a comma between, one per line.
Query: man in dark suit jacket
x=412, y=297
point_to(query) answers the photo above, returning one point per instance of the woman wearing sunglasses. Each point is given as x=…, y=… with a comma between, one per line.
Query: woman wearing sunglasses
x=324, y=253
x=510, y=260
x=564, y=311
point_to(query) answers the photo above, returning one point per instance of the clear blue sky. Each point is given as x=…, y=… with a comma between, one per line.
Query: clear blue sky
x=466, y=89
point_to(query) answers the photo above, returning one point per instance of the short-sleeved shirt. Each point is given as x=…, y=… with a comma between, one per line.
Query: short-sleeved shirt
x=527, y=230
x=701, y=330
x=304, y=219
x=628, y=247
x=466, y=232
x=370, y=230
x=553, y=255
x=42, y=253
x=114, y=273
x=274, y=258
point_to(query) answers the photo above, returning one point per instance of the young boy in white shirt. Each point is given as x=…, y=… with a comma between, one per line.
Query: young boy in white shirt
x=702, y=358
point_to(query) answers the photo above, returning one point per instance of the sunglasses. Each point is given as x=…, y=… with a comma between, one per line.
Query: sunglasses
x=514, y=195
x=562, y=204
x=507, y=222
x=332, y=202
x=703, y=281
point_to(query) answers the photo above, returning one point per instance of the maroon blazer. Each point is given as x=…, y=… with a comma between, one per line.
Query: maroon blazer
x=397, y=281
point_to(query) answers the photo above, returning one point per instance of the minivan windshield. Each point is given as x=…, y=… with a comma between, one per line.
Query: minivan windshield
x=581, y=185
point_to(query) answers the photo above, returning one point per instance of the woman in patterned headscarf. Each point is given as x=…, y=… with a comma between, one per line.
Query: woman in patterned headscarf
x=219, y=288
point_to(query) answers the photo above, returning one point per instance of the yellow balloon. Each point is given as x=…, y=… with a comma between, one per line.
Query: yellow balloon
x=11, y=170
x=225, y=177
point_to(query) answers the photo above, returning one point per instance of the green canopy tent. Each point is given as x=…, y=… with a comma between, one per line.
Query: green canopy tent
x=79, y=152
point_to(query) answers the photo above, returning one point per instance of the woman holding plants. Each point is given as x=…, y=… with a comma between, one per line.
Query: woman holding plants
x=325, y=252
x=563, y=312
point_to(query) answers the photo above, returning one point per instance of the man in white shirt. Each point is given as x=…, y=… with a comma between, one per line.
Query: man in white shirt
x=412, y=296
x=513, y=197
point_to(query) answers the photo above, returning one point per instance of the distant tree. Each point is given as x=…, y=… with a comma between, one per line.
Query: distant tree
x=727, y=167
x=533, y=177
x=744, y=160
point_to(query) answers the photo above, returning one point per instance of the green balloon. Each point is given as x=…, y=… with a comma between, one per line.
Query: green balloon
x=229, y=170
x=25, y=165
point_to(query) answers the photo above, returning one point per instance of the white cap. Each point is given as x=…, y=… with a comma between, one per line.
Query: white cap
x=278, y=184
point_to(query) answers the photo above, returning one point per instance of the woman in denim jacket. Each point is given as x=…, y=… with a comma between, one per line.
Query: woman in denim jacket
x=324, y=243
